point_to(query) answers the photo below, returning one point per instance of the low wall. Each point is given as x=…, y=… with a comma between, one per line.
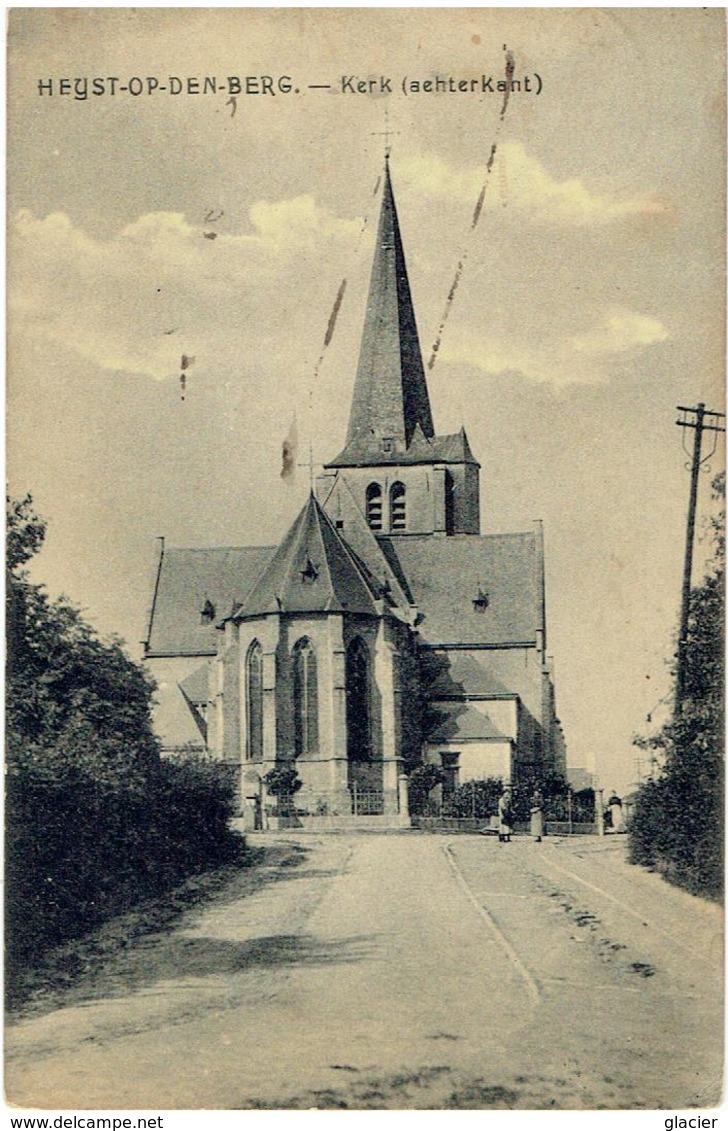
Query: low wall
x=490, y=825
x=341, y=821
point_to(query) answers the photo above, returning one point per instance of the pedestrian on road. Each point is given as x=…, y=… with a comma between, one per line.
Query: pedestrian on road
x=505, y=816
x=537, y=816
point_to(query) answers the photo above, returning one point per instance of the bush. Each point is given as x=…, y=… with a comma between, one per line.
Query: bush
x=677, y=822
x=95, y=822
x=478, y=798
x=422, y=780
x=78, y=852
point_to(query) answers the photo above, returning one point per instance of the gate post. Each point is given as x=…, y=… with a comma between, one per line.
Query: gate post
x=403, y=790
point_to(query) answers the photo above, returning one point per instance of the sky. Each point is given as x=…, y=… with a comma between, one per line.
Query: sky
x=590, y=303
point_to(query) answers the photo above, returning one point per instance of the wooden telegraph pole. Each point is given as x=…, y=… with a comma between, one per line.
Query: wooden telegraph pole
x=694, y=418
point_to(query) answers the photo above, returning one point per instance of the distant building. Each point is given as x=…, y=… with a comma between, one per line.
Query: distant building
x=384, y=629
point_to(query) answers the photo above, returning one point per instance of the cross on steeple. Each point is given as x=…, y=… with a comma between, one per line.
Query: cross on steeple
x=309, y=463
x=386, y=133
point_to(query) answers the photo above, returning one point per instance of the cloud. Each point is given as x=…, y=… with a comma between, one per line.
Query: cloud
x=158, y=288
x=620, y=331
x=520, y=183
x=557, y=360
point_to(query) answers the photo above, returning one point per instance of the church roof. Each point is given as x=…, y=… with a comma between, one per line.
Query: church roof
x=390, y=392
x=451, y=448
x=441, y=576
x=312, y=570
x=186, y=579
x=341, y=507
x=447, y=575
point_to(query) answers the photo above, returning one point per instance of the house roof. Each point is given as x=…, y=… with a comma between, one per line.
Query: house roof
x=196, y=687
x=185, y=580
x=446, y=575
x=460, y=674
x=312, y=570
x=460, y=722
x=390, y=392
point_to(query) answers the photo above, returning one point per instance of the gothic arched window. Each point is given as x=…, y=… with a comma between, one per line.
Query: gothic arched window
x=305, y=697
x=358, y=702
x=397, y=507
x=374, y=506
x=254, y=702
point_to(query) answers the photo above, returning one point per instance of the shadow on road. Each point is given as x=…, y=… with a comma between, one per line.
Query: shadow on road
x=177, y=958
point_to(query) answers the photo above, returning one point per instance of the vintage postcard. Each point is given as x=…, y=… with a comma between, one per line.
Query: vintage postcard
x=346, y=353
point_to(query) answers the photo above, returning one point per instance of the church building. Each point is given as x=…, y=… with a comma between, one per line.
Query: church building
x=384, y=630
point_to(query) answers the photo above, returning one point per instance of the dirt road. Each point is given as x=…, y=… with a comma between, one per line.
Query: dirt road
x=400, y=971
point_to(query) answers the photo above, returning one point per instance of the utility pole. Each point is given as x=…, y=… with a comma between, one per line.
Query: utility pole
x=694, y=418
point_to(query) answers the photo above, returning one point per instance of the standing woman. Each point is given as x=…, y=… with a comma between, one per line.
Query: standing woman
x=537, y=816
x=505, y=816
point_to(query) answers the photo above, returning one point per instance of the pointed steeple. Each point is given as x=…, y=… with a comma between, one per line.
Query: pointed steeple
x=390, y=392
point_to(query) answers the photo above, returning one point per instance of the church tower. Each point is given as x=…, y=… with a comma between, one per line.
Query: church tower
x=404, y=478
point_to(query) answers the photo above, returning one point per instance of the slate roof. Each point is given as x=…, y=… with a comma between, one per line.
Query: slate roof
x=461, y=722
x=185, y=580
x=441, y=576
x=390, y=392
x=312, y=570
x=444, y=576
x=340, y=504
x=196, y=688
x=465, y=675
x=451, y=448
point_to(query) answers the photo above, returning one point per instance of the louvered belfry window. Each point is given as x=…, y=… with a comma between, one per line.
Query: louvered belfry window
x=397, y=507
x=254, y=702
x=374, y=506
x=305, y=698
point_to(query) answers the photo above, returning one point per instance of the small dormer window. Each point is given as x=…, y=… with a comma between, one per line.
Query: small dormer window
x=481, y=601
x=207, y=612
x=387, y=445
x=309, y=573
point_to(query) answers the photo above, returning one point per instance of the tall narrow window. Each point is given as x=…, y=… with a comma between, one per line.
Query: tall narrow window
x=397, y=507
x=305, y=698
x=254, y=702
x=449, y=504
x=374, y=506
x=358, y=724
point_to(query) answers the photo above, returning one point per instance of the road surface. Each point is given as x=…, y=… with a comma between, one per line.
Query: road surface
x=399, y=971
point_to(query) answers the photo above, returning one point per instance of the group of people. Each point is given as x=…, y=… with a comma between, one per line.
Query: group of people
x=505, y=816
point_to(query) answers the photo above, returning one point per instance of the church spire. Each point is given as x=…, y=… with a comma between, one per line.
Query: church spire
x=390, y=392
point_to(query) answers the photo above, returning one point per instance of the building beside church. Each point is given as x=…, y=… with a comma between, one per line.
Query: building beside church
x=384, y=630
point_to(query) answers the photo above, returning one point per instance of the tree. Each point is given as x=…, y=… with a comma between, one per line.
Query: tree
x=95, y=822
x=282, y=782
x=677, y=824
